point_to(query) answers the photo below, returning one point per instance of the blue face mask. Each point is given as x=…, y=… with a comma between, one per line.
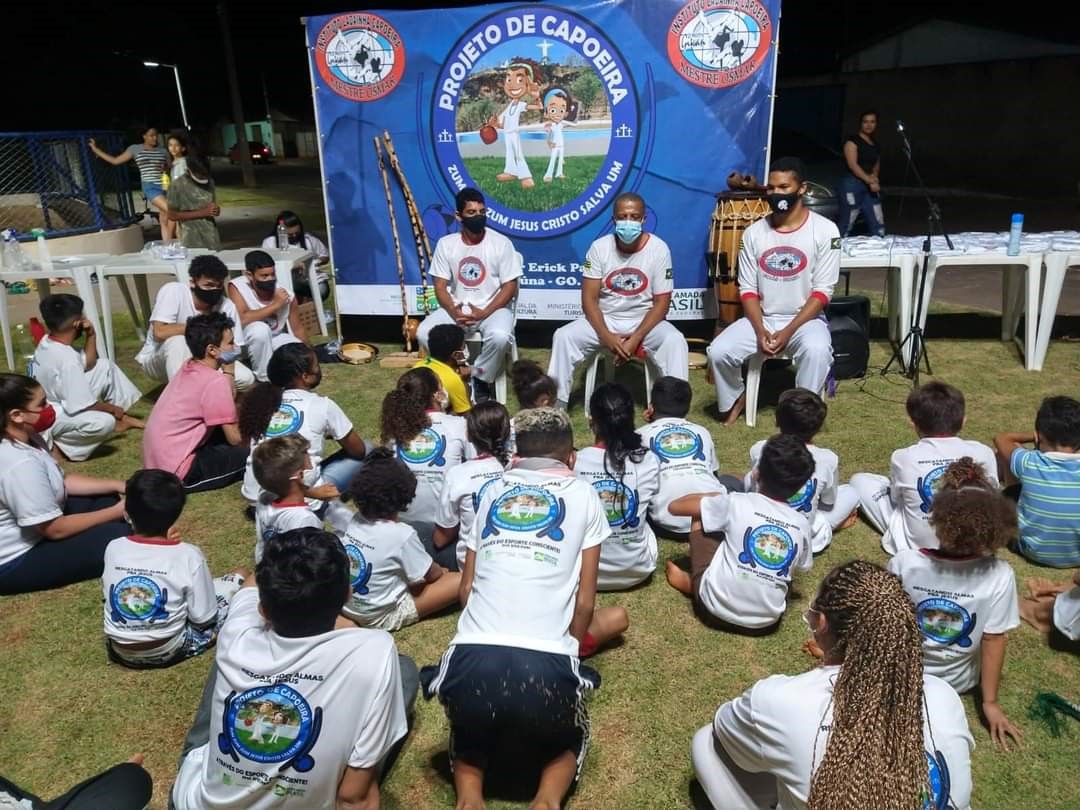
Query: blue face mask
x=230, y=356
x=627, y=230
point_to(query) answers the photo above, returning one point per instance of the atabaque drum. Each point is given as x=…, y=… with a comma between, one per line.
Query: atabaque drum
x=735, y=212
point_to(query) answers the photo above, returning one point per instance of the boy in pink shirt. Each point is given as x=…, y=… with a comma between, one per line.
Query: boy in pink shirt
x=193, y=431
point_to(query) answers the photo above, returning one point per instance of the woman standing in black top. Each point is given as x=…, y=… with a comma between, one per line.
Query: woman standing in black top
x=860, y=190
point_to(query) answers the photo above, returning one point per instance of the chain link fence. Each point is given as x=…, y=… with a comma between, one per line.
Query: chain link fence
x=52, y=181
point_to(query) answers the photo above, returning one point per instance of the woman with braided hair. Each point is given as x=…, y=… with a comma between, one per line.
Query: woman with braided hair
x=867, y=729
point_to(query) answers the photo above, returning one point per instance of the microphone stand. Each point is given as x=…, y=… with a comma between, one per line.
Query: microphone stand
x=934, y=224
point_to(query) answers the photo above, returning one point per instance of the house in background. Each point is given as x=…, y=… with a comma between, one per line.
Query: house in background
x=285, y=135
x=982, y=106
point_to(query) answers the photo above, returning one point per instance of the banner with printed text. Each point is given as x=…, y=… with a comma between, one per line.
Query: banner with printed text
x=551, y=110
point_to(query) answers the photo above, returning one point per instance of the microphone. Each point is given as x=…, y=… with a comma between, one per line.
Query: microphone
x=899, y=126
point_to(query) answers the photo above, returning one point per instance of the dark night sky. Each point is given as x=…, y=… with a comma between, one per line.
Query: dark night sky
x=83, y=68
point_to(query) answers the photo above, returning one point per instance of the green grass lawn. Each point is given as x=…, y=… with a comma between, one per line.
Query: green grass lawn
x=580, y=171
x=72, y=714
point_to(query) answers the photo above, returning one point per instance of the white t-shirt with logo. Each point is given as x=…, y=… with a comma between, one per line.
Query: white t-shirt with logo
x=277, y=517
x=461, y=493
x=629, y=554
x=175, y=304
x=153, y=587
x=474, y=273
x=431, y=455
x=687, y=463
x=629, y=281
x=278, y=321
x=785, y=269
x=290, y=714
x=531, y=527
x=31, y=493
x=314, y=417
x=819, y=490
x=914, y=479
x=746, y=583
x=385, y=558
x=61, y=370
x=781, y=726
x=956, y=602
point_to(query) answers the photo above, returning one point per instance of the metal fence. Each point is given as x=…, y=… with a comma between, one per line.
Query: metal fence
x=51, y=180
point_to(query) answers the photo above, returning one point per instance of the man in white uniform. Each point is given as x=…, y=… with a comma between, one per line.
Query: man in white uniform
x=625, y=297
x=165, y=351
x=788, y=266
x=476, y=279
x=267, y=312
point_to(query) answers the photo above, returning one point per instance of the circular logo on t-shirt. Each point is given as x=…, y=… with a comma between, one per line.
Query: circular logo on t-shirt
x=620, y=503
x=677, y=442
x=471, y=271
x=944, y=621
x=719, y=43
x=138, y=599
x=361, y=57
x=782, y=262
x=272, y=724
x=938, y=777
x=770, y=547
x=626, y=281
x=286, y=419
x=479, y=494
x=526, y=509
x=929, y=485
x=803, y=500
x=359, y=569
x=427, y=448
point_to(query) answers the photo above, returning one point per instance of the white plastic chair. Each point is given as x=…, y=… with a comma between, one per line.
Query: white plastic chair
x=590, y=376
x=753, y=382
x=474, y=341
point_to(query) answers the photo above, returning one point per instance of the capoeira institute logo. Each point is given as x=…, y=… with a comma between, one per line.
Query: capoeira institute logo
x=770, y=547
x=944, y=621
x=627, y=281
x=270, y=724
x=471, y=271
x=536, y=108
x=719, y=43
x=137, y=599
x=526, y=509
x=782, y=262
x=360, y=56
x=285, y=420
x=677, y=443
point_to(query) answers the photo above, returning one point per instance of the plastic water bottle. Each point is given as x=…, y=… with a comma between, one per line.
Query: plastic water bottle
x=10, y=257
x=1016, y=228
x=44, y=258
x=282, y=236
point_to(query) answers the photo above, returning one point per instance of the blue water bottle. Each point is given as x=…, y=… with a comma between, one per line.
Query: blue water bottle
x=1015, y=229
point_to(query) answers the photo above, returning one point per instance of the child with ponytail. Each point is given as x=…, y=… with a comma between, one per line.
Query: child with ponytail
x=866, y=729
x=965, y=598
x=626, y=476
x=487, y=426
x=532, y=387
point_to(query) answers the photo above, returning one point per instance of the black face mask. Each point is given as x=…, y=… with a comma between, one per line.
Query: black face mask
x=267, y=286
x=476, y=224
x=782, y=203
x=211, y=297
x=294, y=239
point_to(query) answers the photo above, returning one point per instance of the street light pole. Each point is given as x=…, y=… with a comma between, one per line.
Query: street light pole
x=179, y=89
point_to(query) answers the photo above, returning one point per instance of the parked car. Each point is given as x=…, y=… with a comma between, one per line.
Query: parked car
x=260, y=153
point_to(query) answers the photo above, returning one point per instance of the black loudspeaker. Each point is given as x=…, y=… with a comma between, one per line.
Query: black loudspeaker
x=849, y=325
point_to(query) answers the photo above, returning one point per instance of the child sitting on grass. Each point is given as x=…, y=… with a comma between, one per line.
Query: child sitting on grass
x=532, y=387
x=828, y=506
x=741, y=583
x=1049, y=478
x=284, y=470
x=965, y=598
x=161, y=604
x=395, y=582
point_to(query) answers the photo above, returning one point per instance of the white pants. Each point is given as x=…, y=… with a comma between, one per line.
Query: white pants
x=555, y=163
x=515, y=156
x=261, y=343
x=876, y=504
x=170, y=356
x=727, y=785
x=828, y=520
x=578, y=341
x=496, y=332
x=810, y=348
x=78, y=434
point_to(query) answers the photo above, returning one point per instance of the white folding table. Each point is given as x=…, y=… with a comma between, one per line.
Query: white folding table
x=1058, y=263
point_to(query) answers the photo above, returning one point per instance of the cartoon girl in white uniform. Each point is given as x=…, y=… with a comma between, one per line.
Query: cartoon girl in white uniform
x=520, y=85
x=561, y=111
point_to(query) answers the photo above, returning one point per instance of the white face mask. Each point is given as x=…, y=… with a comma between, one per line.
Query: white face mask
x=443, y=399
x=308, y=478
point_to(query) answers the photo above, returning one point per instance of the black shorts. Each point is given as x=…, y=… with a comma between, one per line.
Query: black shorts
x=492, y=694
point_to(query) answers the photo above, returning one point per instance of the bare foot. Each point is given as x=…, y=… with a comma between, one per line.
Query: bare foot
x=812, y=649
x=728, y=419
x=133, y=422
x=137, y=759
x=503, y=177
x=1038, y=613
x=470, y=804
x=677, y=578
x=850, y=520
x=527, y=183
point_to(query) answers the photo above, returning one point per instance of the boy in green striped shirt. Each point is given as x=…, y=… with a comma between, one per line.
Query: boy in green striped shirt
x=1049, y=478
